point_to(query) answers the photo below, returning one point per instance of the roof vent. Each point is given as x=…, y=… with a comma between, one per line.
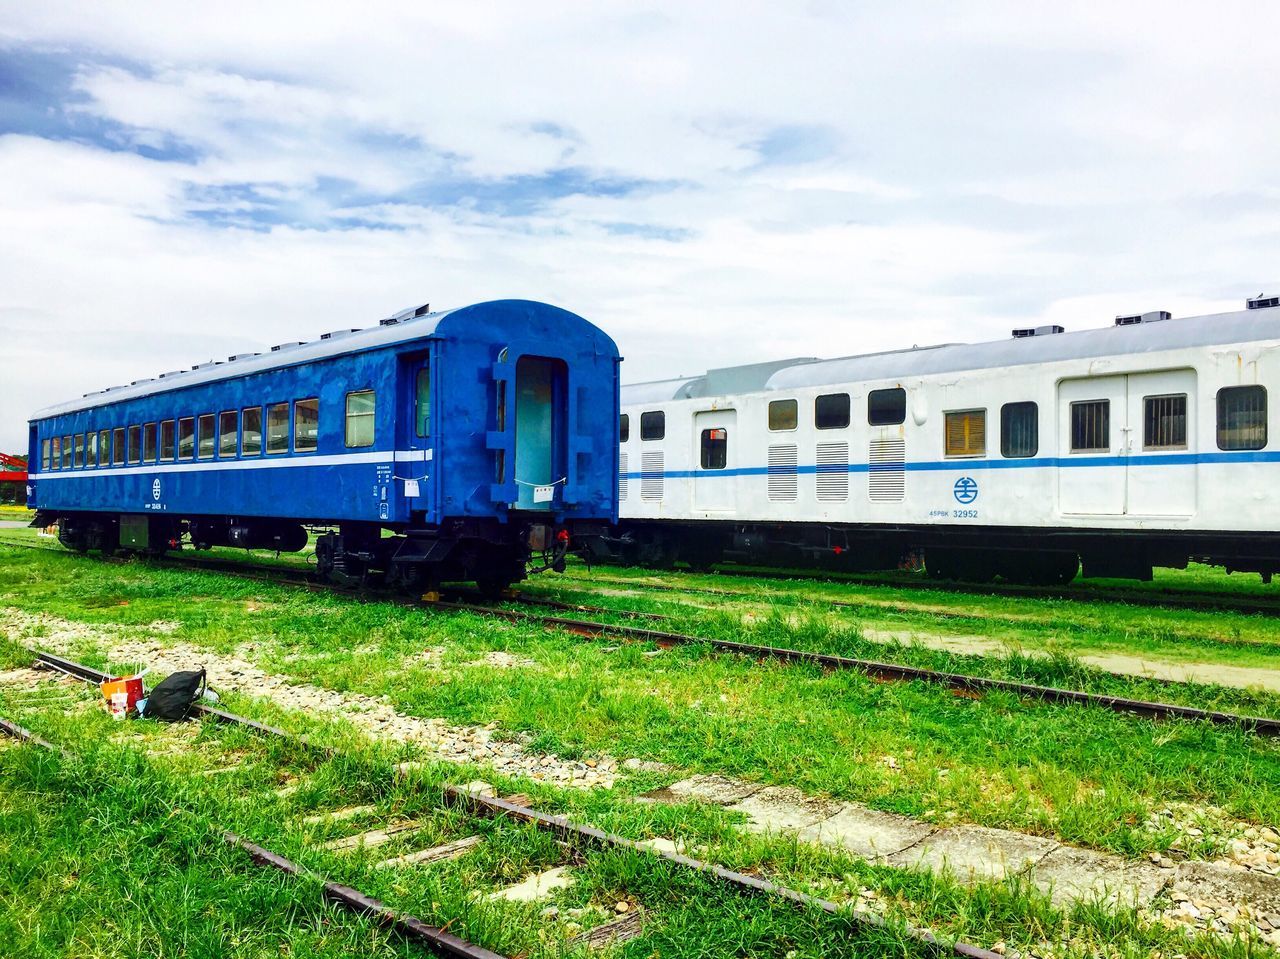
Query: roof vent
x=390, y=321
x=171, y=373
x=285, y=346
x=1151, y=316
x=1262, y=302
x=1037, y=331
x=206, y=364
x=410, y=313
x=338, y=333
x=149, y=379
x=242, y=356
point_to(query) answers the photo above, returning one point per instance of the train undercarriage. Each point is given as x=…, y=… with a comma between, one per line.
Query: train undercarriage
x=978, y=555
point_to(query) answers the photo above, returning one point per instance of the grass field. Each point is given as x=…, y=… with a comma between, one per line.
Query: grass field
x=1083, y=775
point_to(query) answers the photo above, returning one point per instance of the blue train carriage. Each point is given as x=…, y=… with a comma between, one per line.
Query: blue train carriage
x=483, y=438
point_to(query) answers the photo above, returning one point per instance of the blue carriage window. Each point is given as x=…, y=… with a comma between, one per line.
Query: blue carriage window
x=228, y=433
x=624, y=428
x=422, y=402
x=135, y=443
x=79, y=441
x=206, y=438
x=104, y=447
x=117, y=446
x=1019, y=430
x=91, y=449
x=56, y=461
x=186, y=438
x=66, y=452
x=360, y=418
x=278, y=428
x=251, y=431
x=306, y=425
x=45, y=454
x=166, y=441
x=148, y=442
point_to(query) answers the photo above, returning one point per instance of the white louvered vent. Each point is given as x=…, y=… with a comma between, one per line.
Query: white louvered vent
x=651, y=468
x=624, y=463
x=888, y=480
x=833, y=472
x=783, y=483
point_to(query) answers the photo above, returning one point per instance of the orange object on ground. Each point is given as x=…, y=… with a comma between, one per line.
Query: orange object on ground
x=122, y=694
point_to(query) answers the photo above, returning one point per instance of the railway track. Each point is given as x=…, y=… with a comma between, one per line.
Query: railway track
x=578, y=838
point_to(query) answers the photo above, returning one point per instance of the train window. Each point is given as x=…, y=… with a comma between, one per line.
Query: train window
x=966, y=432
x=653, y=425
x=45, y=447
x=306, y=425
x=135, y=443
x=783, y=415
x=1091, y=426
x=1019, y=430
x=91, y=449
x=278, y=428
x=148, y=442
x=66, y=452
x=422, y=403
x=186, y=438
x=104, y=447
x=206, y=438
x=166, y=441
x=831, y=412
x=79, y=458
x=887, y=407
x=624, y=428
x=117, y=446
x=56, y=461
x=1164, y=422
x=1242, y=418
x=360, y=418
x=251, y=431
x=715, y=449
x=228, y=433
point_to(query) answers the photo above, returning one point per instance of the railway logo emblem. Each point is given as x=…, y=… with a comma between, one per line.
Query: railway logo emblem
x=155, y=489
x=965, y=490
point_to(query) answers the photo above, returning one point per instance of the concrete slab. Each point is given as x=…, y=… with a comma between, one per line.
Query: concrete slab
x=868, y=833
x=1070, y=874
x=784, y=809
x=1212, y=882
x=972, y=853
x=538, y=886
x=720, y=790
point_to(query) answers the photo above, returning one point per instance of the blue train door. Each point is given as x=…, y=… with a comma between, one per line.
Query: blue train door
x=414, y=460
x=540, y=431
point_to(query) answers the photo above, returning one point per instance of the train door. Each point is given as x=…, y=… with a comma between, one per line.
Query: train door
x=1162, y=431
x=414, y=475
x=715, y=442
x=539, y=440
x=1092, y=436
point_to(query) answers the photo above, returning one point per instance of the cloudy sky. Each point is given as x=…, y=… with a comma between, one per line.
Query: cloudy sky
x=713, y=183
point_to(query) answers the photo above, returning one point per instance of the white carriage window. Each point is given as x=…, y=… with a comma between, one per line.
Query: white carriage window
x=1164, y=422
x=653, y=425
x=306, y=425
x=783, y=415
x=45, y=453
x=207, y=436
x=79, y=458
x=715, y=449
x=186, y=438
x=66, y=452
x=1019, y=430
x=624, y=428
x=278, y=428
x=422, y=402
x=104, y=447
x=91, y=450
x=887, y=407
x=831, y=412
x=148, y=442
x=251, y=431
x=166, y=441
x=228, y=433
x=1242, y=418
x=117, y=446
x=1091, y=426
x=360, y=418
x=966, y=433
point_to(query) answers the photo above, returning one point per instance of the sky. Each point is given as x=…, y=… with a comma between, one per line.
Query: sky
x=712, y=183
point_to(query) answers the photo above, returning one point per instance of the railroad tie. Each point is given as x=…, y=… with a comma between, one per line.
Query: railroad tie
x=450, y=850
x=375, y=837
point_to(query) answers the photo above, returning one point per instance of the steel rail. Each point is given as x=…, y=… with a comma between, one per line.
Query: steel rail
x=1263, y=726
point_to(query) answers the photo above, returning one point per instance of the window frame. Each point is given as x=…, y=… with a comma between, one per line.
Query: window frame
x=1105, y=403
x=117, y=446
x=1186, y=426
x=1004, y=429
x=1219, y=399
x=314, y=402
x=224, y=434
x=135, y=444
x=55, y=446
x=207, y=434
x=653, y=416
x=422, y=397
x=149, y=438
x=624, y=428
x=67, y=451
x=46, y=453
x=173, y=441
x=91, y=450
x=104, y=448
x=283, y=407
x=783, y=404
x=358, y=418
x=967, y=453
x=818, y=414
x=244, y=431
x=723, y=440
x=871, y=398
x=190, y=421
x=77, y=460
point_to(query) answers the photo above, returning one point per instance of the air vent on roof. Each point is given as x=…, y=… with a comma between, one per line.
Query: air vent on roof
x=1151, y=316
x=110, y=388
x=411, y=312
x=242, y=356
x=285, y=346
x=338, y=333
x=1262, y=302
x=149, y=379
x=171, y=373
x=1037, y=331
x=389, y=321
x=206, y=364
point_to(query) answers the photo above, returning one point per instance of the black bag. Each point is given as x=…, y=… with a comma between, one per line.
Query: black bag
x=172, y=698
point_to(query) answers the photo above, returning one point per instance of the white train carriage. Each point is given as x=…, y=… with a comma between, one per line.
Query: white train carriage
x=1145, y=443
